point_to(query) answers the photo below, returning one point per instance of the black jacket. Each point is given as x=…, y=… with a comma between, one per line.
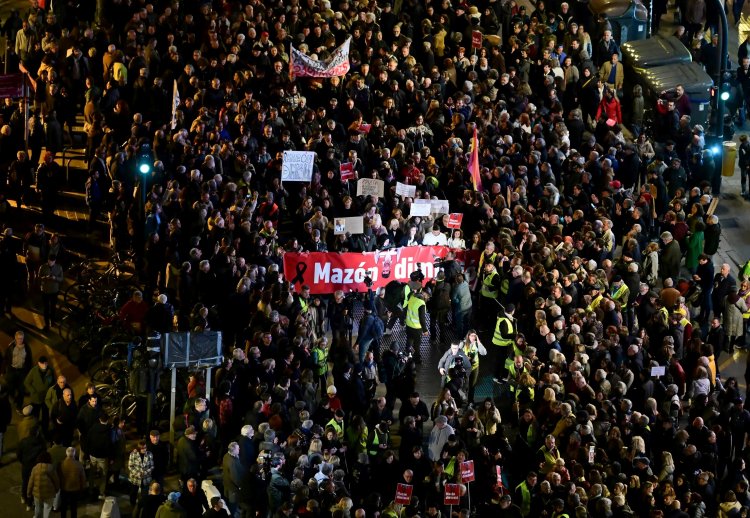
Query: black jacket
x=99, y=441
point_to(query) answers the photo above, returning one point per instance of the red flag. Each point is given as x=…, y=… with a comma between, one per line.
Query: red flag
x=476, y=179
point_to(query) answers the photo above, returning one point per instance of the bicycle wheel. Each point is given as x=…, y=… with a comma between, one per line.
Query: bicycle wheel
x=77, y=296
x=128, y=406
x=110, y=374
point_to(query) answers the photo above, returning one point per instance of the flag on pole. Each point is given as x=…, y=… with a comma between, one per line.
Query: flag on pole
x=337, y=64
x=476, y=178
x=175, y=104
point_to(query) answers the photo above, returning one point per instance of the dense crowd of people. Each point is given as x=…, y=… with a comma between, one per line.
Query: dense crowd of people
x=595, y=303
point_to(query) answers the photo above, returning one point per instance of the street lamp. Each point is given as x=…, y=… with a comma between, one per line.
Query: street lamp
x=145, y=163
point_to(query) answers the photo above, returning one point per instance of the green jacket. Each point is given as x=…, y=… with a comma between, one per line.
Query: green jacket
x=170, y=510
x=37, y=383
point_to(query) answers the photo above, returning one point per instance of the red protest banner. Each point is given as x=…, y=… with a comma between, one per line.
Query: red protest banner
x=476, y=40
x=347, y=171
x=467, y=471
x=327, y=272
x=403, y=494
x=454, y=220
x=452, y=494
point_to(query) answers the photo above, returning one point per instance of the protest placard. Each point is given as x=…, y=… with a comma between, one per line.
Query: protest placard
x=352, y=225
x=407, y=191
x=370, y=187
x=439, y=206
x=347, y=171
x=476, y=40
x=403, y=494
x=454, y=220
x=467, y=471
x=659, y=370
x=420, y=208
x=452, y=494
x=297, y=166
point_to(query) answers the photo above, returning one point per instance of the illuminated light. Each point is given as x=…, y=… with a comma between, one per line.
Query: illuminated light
x=144, y=168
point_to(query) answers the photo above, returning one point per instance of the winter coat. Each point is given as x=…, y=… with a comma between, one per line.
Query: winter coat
x=694, y=249
x=170, y=510
x=461, y=297
x=669, y=262
x=712, y=236
x=72, y=475
x=44, y=482
x=188, y=461
x=140, y=468
x=651, y=268
x=732, y=317
x=37, y=383
x=278, y=490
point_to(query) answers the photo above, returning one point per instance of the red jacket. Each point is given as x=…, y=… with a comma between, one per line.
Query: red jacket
x=609, y=109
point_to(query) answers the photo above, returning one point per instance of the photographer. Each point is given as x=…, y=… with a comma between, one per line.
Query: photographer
x=454, y=367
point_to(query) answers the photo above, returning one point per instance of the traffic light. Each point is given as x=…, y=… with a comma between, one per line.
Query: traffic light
x=145, y=162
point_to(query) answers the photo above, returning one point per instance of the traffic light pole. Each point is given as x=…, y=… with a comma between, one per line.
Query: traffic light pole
x=723, y=56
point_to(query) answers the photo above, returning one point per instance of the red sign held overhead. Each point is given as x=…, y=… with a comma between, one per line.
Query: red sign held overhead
x=403, y=494
x=467, y=471
x=476, y=40
x=452, y=494
x=454, y=220
x=347, y=171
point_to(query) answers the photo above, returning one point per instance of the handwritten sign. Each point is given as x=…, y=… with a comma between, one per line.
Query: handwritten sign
x=660, y=370
x=452, y=494
x=403, y=494
x=467, y=471
x=439, y=207
x=370, y=187
x=297, y=166
x=420, y=208
x=454, y=220
x=476, y=40
x=353, y=225
x=347, y=171
x=407, y=191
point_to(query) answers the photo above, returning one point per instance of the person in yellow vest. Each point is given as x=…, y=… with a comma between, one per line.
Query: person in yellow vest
x=620, y=291
x=515, y=367
x=303, y=301
x=504, y=337
x=596, y=299
x=416, y=322
x=548, y=454
x=473, y=348
x=489, y=289
x=337, y=423
x=525, y=492
x=558, y=509
x=379, y=439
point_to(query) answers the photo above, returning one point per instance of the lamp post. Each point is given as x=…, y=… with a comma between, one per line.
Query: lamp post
x=721, y=83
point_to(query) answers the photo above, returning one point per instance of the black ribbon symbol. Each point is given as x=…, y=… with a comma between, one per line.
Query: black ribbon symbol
x=301, y=268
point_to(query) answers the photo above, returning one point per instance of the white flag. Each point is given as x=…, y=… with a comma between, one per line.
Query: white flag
x=175, y=104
